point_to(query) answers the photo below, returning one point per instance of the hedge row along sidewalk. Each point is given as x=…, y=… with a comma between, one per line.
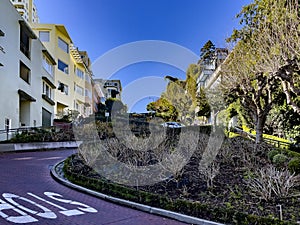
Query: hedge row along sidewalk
x=189, y=208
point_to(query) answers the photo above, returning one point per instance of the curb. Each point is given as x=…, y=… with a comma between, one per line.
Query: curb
x=35, y=146
x=152, y=210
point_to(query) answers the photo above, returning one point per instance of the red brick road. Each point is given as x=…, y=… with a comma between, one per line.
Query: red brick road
x=27, y=174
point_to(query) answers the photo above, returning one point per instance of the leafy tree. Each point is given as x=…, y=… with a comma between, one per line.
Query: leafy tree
x=284, y=122
x=163, y=109
x=271, y=27
x=254, y=89
x=179, y=99
x=265, y=60
x=203, y=104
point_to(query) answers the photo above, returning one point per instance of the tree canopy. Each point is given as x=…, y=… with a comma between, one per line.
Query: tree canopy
x=265, y=59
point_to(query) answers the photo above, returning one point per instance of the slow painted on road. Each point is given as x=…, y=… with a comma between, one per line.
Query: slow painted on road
x=29, y=195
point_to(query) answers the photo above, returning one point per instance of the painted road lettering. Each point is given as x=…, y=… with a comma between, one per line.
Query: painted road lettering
x=64, y=211
x=85, y=209
x=47, y=213
x=22, y=218
x=13, y=203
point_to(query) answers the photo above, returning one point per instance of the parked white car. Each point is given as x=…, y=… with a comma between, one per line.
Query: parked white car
x=172, y=124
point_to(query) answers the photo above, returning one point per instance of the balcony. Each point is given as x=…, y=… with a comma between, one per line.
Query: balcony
x=204, y=75
x=76, y=55
x=213, y=78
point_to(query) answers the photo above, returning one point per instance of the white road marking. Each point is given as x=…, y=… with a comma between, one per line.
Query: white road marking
x=47, y=213
x=50, y=203
x=23, y=218
x=41, y=159
x=86, y=208
x=24, y=158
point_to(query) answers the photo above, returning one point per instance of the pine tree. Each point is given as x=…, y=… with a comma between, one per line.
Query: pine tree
x=207, y=52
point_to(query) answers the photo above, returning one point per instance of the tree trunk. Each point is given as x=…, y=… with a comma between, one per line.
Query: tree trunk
x=214, y=120
x=259, y=129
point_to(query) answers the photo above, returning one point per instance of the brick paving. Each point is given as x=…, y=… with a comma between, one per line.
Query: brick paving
x=29, y=172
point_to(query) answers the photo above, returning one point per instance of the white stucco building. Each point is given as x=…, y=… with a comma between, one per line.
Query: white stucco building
x=26, y=74
x=27, y=10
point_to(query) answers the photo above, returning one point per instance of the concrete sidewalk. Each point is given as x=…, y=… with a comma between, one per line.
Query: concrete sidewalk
x=13, y=147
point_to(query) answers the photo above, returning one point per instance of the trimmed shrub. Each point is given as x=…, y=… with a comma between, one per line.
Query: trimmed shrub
x=294, y=165
x=272, y=153
x=280, y=160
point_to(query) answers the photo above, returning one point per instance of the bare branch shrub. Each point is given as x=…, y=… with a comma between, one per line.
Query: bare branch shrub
x=270, y=182
x=209, y=173
x=89, y=153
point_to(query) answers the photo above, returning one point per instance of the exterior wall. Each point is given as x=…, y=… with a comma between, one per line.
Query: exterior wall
x=73, y=100
x=98, y=95
x=19, y=112
x=79, y=97
x=27, y=10
x=10, y=59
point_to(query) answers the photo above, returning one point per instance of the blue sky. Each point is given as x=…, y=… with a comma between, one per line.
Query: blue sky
x=99, y=26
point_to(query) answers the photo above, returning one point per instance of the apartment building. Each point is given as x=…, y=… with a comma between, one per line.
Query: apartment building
x=73, y=75
x=27, y=10
x=110, y=88
x=209, y=69
x=26, y=73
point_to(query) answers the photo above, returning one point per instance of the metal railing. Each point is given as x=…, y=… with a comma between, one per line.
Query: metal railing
x=51, y=132
x=276, y=143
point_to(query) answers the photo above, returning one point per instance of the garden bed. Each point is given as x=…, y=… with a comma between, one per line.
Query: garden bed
x=231, y=190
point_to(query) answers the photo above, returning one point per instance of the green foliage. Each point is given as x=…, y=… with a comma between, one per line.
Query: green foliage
x=284, y=122
x=265, y=61
x=203, y=104
x=67, y=116
x=294, y=165
x=43, y=135
x=164, y=109
x=207, y=52
x=272, y=153
x=280, y=160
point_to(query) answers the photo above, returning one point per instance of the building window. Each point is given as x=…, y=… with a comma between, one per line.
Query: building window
x=46, y=118
x=44, y=36
x=78, y=89
x=77, y=106
x=47, y=90
x=88, y=93
x=63, y=66
x=24, y=42
x=87, y=78
x=63, y=45
x=63, y=88
x=47, y=65
x=24, y=72
x=79, y=73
